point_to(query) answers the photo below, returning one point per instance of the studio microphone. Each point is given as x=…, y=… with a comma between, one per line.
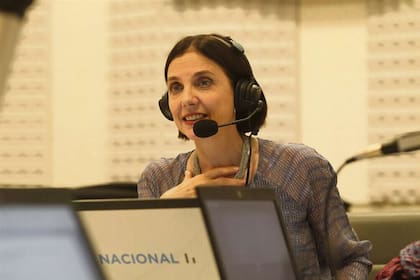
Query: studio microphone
x=207, y=128
x=406, y=142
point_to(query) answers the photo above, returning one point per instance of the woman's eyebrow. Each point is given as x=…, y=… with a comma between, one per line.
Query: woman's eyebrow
x=196, y=74
x=173, y=78
x=204, y=72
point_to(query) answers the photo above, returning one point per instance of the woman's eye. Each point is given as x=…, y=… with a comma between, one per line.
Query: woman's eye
x=204, y=82
x=175, y=88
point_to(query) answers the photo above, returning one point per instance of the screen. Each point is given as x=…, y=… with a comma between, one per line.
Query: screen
x=248, y=240
x=43, y=242
x=155, y=243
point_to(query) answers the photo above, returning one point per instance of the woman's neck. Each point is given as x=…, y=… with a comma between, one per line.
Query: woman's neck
x=222, y=149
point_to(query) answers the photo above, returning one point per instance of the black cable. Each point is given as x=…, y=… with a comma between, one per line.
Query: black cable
x=349, y=160
x=249, y=160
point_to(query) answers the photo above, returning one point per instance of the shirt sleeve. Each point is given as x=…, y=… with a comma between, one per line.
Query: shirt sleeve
x=146, y=186
x=338, y=243
x=161, y=175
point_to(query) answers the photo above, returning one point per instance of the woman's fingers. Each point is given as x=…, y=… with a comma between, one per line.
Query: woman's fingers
x=187, y=175
x=220, y=176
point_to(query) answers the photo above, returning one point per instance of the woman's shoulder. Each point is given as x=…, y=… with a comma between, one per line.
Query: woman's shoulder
x=160, y=175
x=292, y=160
x=296, y=168
x=167, y=164
x=291, y=152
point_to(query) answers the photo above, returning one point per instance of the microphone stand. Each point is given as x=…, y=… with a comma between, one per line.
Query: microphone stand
x=348, y=161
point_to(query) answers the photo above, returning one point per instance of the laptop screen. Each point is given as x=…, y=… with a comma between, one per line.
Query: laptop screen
x=246, y=233
x=41, y=238
x=149, y=239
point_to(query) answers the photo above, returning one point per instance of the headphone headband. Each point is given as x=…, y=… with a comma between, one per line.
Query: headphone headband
x=228, y=41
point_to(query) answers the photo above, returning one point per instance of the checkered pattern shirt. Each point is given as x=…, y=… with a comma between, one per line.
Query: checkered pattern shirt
x=301, y=178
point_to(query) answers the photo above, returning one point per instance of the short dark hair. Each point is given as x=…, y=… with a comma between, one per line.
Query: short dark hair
x=226, y=53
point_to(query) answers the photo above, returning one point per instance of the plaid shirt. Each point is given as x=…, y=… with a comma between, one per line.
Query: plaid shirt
x=300, y=177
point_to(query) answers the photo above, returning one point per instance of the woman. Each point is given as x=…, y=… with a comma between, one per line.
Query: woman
x=209, y=78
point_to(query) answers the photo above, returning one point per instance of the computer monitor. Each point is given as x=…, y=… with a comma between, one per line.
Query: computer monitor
x=41, y=237
x=156, y=239
x=247, y=233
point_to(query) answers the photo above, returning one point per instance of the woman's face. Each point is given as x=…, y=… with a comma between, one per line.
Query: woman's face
x=198, y=88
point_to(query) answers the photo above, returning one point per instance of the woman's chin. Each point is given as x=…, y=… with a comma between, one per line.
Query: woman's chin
x=194, y=137
x=190, y=134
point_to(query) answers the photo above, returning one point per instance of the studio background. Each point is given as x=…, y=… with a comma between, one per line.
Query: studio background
x=80, y=106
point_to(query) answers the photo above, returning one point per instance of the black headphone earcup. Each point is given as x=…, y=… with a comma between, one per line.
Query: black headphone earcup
x=247, y=95
x=164, y=107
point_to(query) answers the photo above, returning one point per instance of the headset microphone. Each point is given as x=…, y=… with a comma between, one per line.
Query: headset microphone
x=207, y=128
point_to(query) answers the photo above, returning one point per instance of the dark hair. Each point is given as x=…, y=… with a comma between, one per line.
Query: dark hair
x=229, y=56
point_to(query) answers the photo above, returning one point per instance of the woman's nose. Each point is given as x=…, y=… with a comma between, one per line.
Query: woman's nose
x=189, y=97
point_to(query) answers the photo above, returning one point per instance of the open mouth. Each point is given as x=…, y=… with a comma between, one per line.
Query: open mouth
x=194, y=117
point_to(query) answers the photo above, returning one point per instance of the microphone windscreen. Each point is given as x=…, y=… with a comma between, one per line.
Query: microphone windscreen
x=205, y=128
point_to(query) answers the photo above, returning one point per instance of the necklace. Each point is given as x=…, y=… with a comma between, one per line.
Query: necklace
x=242, y=167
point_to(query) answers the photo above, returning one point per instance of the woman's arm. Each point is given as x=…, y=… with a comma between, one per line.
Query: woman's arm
x=338, y=244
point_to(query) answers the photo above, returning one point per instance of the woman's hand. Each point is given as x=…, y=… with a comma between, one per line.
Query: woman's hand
x=215, y=177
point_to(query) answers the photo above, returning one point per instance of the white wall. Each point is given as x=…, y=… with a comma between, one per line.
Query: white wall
x=333, y=86
x=79, y=100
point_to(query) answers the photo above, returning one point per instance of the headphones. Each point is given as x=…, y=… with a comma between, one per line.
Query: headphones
x=247, y=93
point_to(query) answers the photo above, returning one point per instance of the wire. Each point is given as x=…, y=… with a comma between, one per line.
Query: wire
x=349, y=160
x=249, y=160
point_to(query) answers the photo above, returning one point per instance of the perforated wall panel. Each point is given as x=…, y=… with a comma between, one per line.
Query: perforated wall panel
x=24, y=118
x=141, y=35
x=394, y=96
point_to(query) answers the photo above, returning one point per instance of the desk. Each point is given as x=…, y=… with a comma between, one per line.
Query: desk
x=388, y=228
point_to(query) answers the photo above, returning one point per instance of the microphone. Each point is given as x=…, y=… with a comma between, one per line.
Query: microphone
x=207, y=128
x=406, y=142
